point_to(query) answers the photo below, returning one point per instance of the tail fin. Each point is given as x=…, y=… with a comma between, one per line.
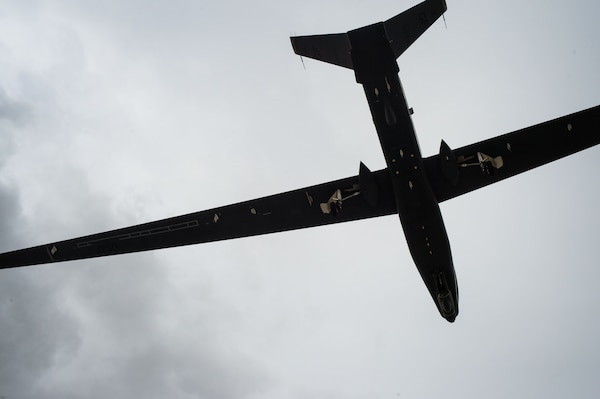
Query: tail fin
x=401, y=31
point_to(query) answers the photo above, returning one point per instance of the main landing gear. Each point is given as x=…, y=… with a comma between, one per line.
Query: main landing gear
x=366, y=188
x=450, y=164
x=334, y=205
x=487, y=163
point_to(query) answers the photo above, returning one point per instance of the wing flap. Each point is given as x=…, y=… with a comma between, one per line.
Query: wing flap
x=287, y=211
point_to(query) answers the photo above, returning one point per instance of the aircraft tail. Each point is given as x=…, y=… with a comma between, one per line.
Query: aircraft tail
x=401, y=31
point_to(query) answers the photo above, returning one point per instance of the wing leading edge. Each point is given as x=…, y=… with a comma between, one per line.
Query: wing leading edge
x=364, y=196
x=456, y=172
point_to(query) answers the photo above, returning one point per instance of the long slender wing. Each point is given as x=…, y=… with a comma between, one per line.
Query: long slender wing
x=456, y=172
x=287, y=211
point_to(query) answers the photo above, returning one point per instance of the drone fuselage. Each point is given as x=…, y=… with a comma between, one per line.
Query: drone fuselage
x=376, y=69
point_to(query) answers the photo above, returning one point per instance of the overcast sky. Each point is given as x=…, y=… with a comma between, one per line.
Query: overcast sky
x=114, y=113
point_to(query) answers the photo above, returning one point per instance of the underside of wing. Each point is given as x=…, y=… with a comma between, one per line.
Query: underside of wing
x=456, y=172
x=359, y=197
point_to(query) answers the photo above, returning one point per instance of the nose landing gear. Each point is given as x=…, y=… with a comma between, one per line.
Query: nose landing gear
x=444, y=297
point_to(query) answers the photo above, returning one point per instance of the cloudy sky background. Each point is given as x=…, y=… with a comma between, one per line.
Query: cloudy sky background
x=120, y=112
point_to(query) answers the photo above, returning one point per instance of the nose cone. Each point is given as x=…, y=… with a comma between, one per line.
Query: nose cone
x=451, y=317
x=447, y=306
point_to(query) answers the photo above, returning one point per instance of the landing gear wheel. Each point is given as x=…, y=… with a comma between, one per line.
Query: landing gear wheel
x=336, y=207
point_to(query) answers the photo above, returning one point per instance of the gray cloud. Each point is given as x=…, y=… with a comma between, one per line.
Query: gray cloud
x=37, y=332
x=115, y=114
x=9, y=214
x=13, y=115
x=12, y=110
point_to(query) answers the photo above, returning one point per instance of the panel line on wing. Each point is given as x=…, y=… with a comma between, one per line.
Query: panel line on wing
x=136, y=234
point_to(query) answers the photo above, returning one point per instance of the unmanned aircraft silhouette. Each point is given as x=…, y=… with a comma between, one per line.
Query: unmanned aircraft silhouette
x=410, y=186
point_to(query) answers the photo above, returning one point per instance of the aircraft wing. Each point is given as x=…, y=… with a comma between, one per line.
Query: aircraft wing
x=456, y=172
x=364, y=196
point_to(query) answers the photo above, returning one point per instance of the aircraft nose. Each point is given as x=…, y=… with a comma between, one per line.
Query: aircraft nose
x=447, y=306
